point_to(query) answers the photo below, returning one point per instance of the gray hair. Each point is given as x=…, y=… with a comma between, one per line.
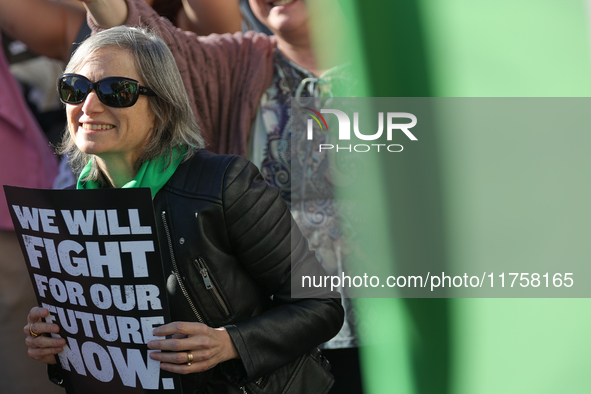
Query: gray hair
x=175, y=124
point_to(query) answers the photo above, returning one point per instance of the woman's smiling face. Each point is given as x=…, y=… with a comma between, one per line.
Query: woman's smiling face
x=110, y=133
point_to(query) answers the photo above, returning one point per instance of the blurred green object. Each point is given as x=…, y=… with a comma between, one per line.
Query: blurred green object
x=463, y=48
x=406, y=340
x=515, y=49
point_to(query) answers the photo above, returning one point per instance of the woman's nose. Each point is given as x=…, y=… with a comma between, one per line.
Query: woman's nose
x=92, y=103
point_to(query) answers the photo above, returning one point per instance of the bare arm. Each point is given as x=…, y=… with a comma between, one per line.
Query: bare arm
x=107, y=13
x=213, y=16
x=47, y=27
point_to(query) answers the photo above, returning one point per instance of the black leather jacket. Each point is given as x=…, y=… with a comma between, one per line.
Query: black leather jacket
x=228, y=242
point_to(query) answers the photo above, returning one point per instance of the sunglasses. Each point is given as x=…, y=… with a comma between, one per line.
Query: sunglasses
x=117, y=92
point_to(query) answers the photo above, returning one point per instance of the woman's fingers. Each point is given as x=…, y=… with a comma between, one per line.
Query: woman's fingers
x=207, y=347
x=178, y=362
x=43, y=341
x=181, y=328
x=39, y=328
x=184, y=369
x=42, y=347
x=179, y=345
x=177, y=357
x=36, y=314
x=35, y=326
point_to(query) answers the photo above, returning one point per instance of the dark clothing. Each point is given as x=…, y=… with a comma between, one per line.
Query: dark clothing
x=218, y=216
x=228, y=243
x=346, y=370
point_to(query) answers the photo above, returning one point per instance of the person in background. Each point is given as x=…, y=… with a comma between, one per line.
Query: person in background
x=249, y=21
x=242, y=86
x=41, y=35
x=52, y=29
x=25, y=160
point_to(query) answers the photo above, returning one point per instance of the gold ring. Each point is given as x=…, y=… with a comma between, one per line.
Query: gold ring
x=190, y=358
x=33, y=334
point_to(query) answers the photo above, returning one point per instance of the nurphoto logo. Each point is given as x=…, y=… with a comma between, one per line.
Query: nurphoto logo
x=344, y=132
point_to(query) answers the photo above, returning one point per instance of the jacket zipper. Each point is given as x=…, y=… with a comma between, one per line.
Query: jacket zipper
x=209, y=285
x=204, y=273
x=176, y=270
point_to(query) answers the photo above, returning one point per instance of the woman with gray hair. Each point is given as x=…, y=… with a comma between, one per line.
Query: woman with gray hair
x=235, y=328
x=174, y=124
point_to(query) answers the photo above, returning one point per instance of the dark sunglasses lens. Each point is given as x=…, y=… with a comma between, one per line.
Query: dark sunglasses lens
x=116, y=92
x=73, y=90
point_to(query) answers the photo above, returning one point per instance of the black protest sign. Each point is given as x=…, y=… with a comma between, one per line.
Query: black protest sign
x=94, y=262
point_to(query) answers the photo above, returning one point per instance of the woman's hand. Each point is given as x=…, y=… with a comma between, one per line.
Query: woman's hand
x=41, y=347
x=106, y=13
x=205, y=346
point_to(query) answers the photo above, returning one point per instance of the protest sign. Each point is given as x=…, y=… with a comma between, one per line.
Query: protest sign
x=94, y=261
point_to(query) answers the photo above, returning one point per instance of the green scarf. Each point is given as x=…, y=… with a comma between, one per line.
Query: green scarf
x=153, y=173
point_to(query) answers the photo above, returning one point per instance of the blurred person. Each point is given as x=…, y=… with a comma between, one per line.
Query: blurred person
x=36, y=76
x=53, y=29
x=249, y=21
x=207, y=17
x=26, y=160
x=143, y=134
x=47, y=28
x=42, y=32
x=242, y=85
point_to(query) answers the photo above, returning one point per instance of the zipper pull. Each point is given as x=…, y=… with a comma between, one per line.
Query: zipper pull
x=204, y=274
x=206, y=280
